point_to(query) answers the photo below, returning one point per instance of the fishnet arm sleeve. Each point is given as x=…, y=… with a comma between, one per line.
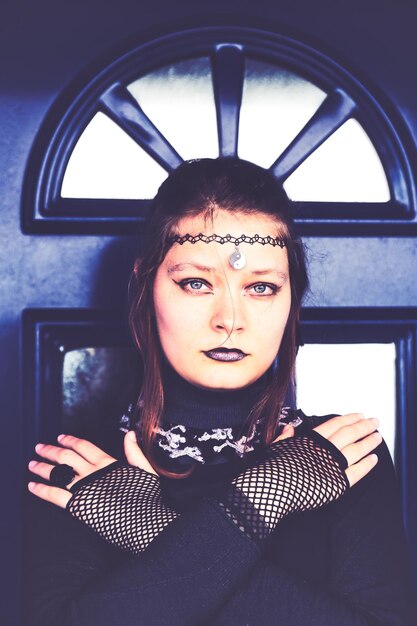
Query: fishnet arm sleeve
x=298, y=474
x=123, y=504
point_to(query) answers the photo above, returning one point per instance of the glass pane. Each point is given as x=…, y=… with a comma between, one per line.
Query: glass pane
x=97, y=386
x=107, y=163
x=180, y=102
x=349, y=378
x=345, y=168
x=276, y=105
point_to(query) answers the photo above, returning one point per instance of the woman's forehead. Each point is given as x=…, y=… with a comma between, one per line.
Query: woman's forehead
x=235, y=223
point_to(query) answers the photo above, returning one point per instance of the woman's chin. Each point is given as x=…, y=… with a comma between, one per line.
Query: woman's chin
x=226, y=381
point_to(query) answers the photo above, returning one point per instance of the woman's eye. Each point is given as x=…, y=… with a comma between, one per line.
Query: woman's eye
x=264, y=289
x=192, y=285
x=196, y=285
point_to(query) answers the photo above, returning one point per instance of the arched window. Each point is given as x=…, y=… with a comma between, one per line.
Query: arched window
x=221, y=91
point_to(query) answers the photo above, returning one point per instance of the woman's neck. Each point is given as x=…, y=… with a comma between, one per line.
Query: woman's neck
x=205, y=409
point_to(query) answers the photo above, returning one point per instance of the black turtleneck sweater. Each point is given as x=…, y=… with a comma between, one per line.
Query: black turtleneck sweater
x=344, y=564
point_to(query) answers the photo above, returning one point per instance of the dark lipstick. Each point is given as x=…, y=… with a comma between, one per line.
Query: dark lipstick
x=225, y=354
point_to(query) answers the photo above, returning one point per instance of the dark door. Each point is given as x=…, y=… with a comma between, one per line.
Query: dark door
x=71, y=279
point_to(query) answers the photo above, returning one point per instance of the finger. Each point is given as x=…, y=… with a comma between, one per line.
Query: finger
x=288, y=431
x=357, y=471
x=86, y=449
x=327, y=429
x=55, y=495
x=41, y=469
x=59, y=455
x=356, y=451
x=350, y=434
x=134, y=454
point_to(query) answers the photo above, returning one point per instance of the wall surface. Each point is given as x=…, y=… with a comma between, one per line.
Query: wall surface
x=44, y=45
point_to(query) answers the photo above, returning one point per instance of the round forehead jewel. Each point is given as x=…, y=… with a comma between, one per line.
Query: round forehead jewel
x=237, y=259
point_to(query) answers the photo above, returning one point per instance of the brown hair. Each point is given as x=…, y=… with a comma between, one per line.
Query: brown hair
x=199, y=188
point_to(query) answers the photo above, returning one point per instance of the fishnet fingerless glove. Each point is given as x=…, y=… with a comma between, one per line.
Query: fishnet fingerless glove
x=299, y=473
x=123, y=504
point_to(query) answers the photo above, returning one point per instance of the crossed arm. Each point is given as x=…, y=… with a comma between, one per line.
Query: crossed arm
x=203, y=564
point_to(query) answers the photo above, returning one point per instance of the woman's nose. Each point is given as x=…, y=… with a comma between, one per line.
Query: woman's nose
x=228, y=314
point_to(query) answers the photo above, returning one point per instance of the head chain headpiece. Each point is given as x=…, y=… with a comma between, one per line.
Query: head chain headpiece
x=237, y=259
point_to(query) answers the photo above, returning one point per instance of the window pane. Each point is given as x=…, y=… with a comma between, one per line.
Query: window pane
x=180, y=102
x=97, y=386
x=345, y=168
x=107, y=163
x=276, y=105
x=349, y=378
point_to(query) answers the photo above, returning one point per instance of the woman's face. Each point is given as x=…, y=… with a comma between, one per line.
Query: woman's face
x=221, y=328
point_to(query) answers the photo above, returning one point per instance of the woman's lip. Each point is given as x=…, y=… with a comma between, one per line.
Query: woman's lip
x=226, y=355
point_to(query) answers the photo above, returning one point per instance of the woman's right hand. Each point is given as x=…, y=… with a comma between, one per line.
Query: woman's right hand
x=355, y=436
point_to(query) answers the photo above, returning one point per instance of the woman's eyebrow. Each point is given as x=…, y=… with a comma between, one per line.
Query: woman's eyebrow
x=280, y=274
x=178, y=267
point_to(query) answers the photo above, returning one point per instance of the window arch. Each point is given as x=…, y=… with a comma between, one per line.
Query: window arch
x=222, y=90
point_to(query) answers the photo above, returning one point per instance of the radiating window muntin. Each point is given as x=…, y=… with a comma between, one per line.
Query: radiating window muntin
x=249, y=60
x=107, y=163
x=179, y=100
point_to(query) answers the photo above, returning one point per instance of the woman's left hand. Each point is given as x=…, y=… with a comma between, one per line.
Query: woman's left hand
x=287, y=431
x=84, y=457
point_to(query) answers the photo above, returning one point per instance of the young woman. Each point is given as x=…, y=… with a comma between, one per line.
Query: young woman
x=229, y=506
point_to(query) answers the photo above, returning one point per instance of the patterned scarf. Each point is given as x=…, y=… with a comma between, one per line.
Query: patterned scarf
x=201, y=426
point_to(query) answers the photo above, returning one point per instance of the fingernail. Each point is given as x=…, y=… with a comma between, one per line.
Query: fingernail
x=60, y=437
x=31, y=486
x=375, y=420
x=32, y=464
x=132, y=436
x=38, y=447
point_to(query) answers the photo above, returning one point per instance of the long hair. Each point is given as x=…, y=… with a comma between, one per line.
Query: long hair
x=199, y=188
